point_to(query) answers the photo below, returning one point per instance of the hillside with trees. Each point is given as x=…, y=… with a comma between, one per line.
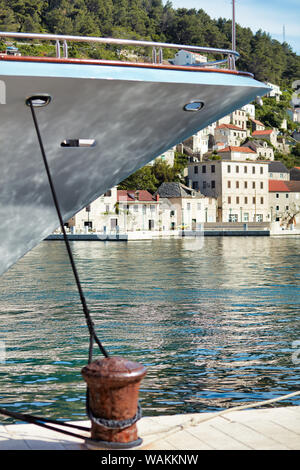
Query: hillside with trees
x=267, y=58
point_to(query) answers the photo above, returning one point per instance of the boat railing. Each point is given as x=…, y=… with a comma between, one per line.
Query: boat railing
x=61, y=43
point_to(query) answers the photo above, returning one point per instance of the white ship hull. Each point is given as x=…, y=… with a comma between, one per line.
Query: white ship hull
x=132, y=113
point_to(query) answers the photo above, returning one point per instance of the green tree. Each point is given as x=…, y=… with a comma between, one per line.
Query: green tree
x=27, y=13
x=8, y=20
x=296, y=151
x=163, y=172
x=102, y=11
x=141, y=179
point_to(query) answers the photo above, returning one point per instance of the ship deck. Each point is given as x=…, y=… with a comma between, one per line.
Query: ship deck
x=255, y=429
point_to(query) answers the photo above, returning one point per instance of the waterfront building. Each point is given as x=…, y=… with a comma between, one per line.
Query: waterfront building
x=99, y=216
x=230, y=134
x=184, y=207
x=241, y=188
x=137, y=210
x=284, y=201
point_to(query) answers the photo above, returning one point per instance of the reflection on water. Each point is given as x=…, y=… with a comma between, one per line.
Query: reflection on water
x=214, y=326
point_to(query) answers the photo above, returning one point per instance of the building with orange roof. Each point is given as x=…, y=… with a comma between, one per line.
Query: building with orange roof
x=238, y=153
x=137, y=210
x=268, y=134
x=230, y=134
x=118, y=210
x=284, y=200
x=257, y=125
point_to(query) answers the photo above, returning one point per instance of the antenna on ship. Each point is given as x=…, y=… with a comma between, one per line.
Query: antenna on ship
x=233, y=27
x=231, y=58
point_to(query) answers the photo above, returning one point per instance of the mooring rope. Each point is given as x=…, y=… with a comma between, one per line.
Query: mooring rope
x=42, y=423
x=93, y=336
x=195, y=421
x=89, y=320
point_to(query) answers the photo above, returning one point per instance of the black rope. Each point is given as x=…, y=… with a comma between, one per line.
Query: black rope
x=93, y=336
x=89, y=321
x=41, y=422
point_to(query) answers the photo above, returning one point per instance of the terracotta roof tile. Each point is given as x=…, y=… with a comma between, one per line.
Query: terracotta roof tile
x=257, y=122
x=265, y=132
x=294, y=186
x=135, y=195
x=278, y=186
x=230, y=126
x=237, y=149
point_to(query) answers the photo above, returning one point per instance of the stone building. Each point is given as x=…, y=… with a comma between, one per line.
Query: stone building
x=267, y=134
x=99, y=216
x=284, y=201
x=137, y=210
x=256, y=125
x=241, y=188
x=230, y=134
x=278, y=171
x=263, y=150
x=237, y=153
x=183, y=207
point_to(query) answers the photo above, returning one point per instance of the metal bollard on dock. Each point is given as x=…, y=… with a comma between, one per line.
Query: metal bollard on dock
x=112, y=402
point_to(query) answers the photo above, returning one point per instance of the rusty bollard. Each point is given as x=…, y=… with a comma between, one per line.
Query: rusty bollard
x=113, y=388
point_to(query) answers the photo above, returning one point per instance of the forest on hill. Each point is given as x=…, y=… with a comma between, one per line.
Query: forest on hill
x=267, y=58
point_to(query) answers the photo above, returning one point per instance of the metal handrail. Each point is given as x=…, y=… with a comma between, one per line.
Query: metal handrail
x=230, y=59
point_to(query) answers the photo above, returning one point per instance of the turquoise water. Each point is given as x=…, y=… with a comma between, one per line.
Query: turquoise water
x=213, y=324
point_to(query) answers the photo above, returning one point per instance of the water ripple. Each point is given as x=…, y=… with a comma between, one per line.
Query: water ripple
x=214, y=327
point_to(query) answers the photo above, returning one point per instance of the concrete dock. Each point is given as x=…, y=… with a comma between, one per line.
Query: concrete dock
x=255, y=429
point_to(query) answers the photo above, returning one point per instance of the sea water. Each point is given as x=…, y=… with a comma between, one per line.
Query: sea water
x=215, y=322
